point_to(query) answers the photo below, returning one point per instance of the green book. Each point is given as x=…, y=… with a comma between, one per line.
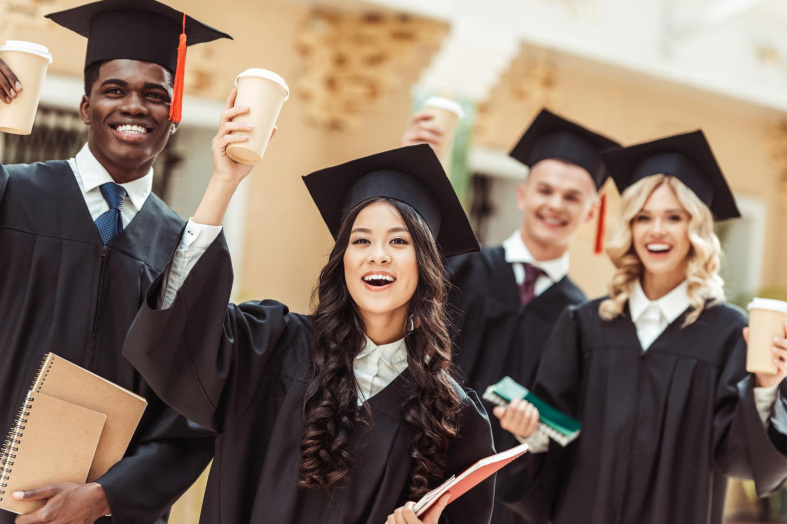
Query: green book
x=555, y=424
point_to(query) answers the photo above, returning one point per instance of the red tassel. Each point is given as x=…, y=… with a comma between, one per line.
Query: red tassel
x=602, y=215
x=176, y=107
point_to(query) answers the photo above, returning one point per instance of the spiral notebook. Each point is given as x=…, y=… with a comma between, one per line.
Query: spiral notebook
x=469, y=478
x=52, y=441
x=63, y=380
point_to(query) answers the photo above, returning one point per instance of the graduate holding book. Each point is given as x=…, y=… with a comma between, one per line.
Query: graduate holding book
x=508, y=298
x=349, y=414
x=656, y=370
x=80, y=242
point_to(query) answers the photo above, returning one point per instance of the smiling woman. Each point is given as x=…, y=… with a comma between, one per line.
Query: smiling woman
x=656, y=373
x=665, y=237
x=346, y=415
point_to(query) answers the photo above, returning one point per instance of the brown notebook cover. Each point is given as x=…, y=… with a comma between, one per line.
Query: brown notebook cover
x=63, y=380
x=52, y=441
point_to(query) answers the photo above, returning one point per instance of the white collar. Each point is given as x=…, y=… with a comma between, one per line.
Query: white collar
x=672, y=305
x=393, y=353
x=517, y=252
x=93, y=175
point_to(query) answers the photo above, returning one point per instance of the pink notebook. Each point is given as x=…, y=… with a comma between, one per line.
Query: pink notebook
x=469, y=478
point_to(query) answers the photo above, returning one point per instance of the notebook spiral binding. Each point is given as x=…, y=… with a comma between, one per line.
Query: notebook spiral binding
x=43, y=372
x=12, y=443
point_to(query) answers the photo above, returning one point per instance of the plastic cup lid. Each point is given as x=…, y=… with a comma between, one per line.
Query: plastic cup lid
x=27, y=47
x=264, y=73
x=445, y=103
x=769, y=304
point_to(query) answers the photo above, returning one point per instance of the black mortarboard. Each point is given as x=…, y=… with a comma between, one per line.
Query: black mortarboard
x=687, y=157
x=412, y=175
x=143, y=30
x=552, y=136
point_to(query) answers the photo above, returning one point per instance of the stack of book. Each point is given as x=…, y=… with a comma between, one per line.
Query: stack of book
x=72, y=427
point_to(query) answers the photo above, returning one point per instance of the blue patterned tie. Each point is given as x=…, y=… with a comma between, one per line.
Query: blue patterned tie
x=110, y=224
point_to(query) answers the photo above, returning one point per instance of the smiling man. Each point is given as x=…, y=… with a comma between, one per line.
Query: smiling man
x=80, y=242
x=507, y=298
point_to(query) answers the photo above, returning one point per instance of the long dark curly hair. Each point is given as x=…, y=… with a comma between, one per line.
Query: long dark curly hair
x=331, y=410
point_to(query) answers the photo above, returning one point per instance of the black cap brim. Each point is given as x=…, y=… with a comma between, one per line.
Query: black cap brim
x=144, y=30
x=552, y=136
x=410, y=174
x=688, y=157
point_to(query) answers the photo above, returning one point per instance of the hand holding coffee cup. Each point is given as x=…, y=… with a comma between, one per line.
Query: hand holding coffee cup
x=23, y=63
x=766, y=336
x=232, y=132
x=9, y=83
x=446, y=115
x=263, y=92
x=424, y=130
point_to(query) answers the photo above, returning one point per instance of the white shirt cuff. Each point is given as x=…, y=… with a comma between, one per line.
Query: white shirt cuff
x=764, y=400
x=199, y=235
x=196, y=239
x=537, y=442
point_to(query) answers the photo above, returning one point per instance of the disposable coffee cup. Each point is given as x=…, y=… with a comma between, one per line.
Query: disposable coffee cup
x=29, y=63
x=447, y=115
x=263, y=92
x=766, y=320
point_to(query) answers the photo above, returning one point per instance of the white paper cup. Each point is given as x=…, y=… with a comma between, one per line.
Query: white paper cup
x=263, y=92
x=29, y=63
x=447, y=115
x=766, y=320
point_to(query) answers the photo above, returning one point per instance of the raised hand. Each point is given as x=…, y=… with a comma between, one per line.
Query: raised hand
x=227, y=173
x=9, y=83
x=424, y=131
x=223, y=166
x=779, y=359
x=67, y=503
x=406, y=515
x=519, y=418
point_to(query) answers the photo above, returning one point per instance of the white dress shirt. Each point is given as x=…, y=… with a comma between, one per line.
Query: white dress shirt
x=651, y=318
x=90, y=174
x=375, y=366
x=517, y=253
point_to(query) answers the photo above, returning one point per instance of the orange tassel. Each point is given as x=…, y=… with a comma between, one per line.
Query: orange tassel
x=176, y=107
x=602, y=215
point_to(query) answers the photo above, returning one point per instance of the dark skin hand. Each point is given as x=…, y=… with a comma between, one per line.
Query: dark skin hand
x=128, y=93
x=67, y=503
x=9, y=83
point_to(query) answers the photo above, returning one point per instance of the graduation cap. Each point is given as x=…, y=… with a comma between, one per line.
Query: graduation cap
x=552, y=136
x=687, y=157
x=144, y=30
x=412, y=175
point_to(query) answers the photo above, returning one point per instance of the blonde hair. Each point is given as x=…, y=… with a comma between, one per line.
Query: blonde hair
x=702, y=272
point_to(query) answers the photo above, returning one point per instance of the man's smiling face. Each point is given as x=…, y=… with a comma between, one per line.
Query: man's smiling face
x=128, y=112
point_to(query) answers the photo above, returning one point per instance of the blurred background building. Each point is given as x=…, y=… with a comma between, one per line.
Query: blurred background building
x=635, y=70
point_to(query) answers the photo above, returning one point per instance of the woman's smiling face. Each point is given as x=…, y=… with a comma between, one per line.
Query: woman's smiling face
x=660, y=233
x=380, y=263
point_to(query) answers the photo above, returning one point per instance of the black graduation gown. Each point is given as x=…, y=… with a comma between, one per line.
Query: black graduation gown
x=243, y=371
x=62, y=291
x=662, y=430
x=495, y=336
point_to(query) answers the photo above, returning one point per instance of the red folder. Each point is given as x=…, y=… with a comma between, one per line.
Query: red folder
x=469, y=478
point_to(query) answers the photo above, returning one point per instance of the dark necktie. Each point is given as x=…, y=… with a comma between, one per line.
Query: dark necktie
x=110, y=223
x=527, y=289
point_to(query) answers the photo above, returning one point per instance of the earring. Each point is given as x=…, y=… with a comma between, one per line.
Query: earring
x=172, y=129
x=412, y=324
